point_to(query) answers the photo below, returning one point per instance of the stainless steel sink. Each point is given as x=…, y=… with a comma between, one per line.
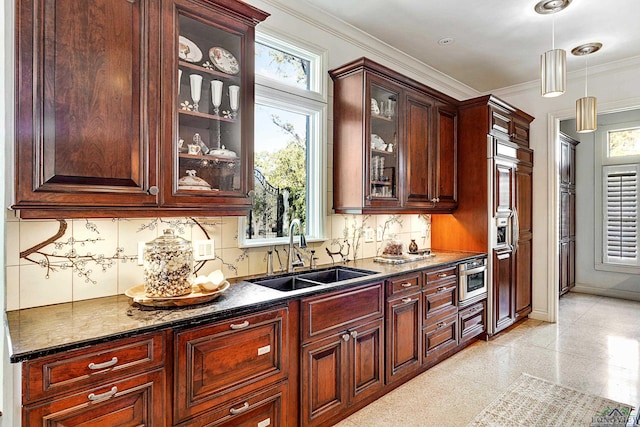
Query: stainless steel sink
x=302, y=280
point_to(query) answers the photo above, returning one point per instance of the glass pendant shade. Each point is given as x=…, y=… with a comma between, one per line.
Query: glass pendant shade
x=553, y=72
x=586, y=114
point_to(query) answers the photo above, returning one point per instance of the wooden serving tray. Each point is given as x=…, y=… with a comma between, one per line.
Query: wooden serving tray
x=197, y=296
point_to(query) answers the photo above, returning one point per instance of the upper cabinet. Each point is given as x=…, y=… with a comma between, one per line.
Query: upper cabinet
x=107, y=122
x=394, y=145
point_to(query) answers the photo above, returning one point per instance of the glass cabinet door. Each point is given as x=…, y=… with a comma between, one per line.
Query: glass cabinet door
x=209, y=139
x=383, y=159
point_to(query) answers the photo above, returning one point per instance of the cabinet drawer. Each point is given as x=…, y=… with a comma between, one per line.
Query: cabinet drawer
x=404, y=284
x=341, y=309
x=133, y=401
x=440, y=337
x=263, y=408
x=472, y=321
x=440, y=301
x=49, y=376
x=435, y=278
x=222, y=361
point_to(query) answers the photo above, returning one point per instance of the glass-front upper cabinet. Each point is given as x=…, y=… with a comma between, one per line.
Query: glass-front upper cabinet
x=383, y=159
x=210, y=144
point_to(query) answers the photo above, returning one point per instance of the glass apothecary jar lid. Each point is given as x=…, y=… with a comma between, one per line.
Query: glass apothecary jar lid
x=168, y=263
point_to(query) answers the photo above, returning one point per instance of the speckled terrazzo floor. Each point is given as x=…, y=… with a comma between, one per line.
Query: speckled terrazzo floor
x=594, y=348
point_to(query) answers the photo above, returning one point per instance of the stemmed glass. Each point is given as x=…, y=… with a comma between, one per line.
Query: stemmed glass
x=196, y=86
x=216, y=95
x=234, y=92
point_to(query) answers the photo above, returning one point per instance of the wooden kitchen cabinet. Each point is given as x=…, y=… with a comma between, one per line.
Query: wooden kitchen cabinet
x=342, y=352
x=226, y=362
x=120, y=383
x=99, y=114
x=404, y=137
x=403, y=326
x=567, y=242
x=440, y=313
x=472, y=321
x=501, y=191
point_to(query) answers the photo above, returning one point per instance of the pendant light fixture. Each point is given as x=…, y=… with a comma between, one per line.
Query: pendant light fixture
x=553, y=63
x=586, y=113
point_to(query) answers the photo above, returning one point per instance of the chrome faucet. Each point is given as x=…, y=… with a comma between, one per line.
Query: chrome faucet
x=291, y=264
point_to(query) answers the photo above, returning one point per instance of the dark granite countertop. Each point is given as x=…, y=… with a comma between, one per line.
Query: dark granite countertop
x=41, y=331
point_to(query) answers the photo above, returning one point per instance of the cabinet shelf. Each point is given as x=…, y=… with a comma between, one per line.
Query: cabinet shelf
x=385, y=152
x=381, y=183
x=208, y=157
x=207, y=71
x=381, y=117
x=195, y=115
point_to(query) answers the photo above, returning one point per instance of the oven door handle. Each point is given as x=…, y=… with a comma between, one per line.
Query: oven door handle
x=475, y=270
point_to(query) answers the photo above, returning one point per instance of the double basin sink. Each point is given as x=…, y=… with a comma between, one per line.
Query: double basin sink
x=307, y=279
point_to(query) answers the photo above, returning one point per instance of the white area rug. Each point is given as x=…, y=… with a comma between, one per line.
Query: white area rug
x=532, y=401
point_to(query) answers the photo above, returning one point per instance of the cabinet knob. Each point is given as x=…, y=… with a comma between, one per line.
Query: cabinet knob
x=153, y=190
x=244, y=407
x=354, y=334
x=236, y=326
x=106, y=395
x=345, y=337
x=103, y=365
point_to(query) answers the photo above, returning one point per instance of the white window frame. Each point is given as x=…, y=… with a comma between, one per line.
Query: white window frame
x=312, y=102
x=604, y=164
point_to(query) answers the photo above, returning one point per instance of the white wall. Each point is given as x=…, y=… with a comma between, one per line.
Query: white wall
x=617, y=87
x=588, y=279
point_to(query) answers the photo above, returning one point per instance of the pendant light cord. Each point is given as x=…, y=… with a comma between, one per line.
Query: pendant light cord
x=586, y=75
x=553, y=32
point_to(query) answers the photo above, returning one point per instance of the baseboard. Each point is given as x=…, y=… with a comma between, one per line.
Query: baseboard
x=540, y=315
x=612, y=293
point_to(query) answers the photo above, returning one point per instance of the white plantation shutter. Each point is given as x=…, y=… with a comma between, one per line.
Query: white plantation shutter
x=621, y=214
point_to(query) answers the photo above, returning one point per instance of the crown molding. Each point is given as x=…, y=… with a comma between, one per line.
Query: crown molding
x=313, y=16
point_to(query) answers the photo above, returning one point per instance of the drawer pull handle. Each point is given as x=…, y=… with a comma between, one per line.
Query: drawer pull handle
x=406, y=300
x=239, y=325
x=443, y=289
x=441, y=325
x=406, y=285
x=345, y=337
x=103, y=365
x=240, y=410
x=354, y=334
x=106, y=395
x=442, y=275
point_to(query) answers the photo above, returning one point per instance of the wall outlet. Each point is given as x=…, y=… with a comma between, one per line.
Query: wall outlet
x=203, y=250
x=369, y=235
x=379, y=234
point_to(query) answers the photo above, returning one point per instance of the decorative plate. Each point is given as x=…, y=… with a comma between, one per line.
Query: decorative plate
x=224, y=60
x=188, y=50
x=197, y=296
x=390, y=256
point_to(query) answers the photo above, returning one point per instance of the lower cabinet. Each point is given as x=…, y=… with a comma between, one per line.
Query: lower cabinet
x=344, y=364
x=221, y=365
x=471, y=321
x=134, y=401
x=440, y=337
x=120, y=383
x=403, y=327
x=261, y=408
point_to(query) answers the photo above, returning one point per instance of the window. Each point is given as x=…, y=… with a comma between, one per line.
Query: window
x=289, y=142
x=621, y=214
x=619, y=164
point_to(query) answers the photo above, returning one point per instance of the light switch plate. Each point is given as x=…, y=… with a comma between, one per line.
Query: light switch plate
x=203, y=250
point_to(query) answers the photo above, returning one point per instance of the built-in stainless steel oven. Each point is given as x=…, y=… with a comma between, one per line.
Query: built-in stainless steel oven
x=472, y=276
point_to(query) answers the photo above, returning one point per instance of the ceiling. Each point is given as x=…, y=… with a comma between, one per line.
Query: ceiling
x=496, y=43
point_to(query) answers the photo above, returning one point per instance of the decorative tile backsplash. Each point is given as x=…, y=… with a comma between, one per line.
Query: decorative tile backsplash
x=69, y=260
